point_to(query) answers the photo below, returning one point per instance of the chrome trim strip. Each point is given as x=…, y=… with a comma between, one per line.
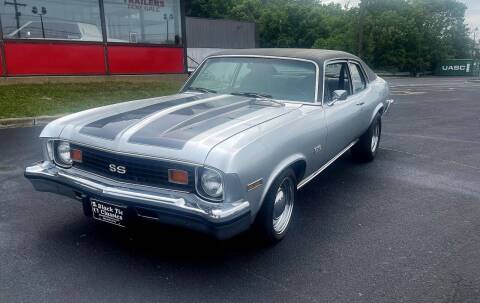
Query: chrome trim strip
x=317, y=68
x=255, y=184
x=128, y=154
x=389, y=103
x=105, y=189
x=316, y=173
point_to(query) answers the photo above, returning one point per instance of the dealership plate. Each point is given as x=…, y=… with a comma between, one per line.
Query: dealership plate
x=109, y=213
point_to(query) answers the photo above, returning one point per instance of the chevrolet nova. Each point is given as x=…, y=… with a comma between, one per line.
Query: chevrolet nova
x=228, y=152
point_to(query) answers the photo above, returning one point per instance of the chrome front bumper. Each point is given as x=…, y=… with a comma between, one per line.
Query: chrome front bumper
x=179, y=208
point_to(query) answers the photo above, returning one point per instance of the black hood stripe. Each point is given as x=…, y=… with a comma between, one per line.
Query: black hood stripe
x=109, y=127
x=165, y=133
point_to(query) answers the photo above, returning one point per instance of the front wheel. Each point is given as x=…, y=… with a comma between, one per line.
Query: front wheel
x=275, y=215
x=366, y=148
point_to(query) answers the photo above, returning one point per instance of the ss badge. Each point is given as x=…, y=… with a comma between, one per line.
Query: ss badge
x=117, y=169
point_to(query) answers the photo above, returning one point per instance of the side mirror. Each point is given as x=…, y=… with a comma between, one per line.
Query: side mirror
x=340, y=95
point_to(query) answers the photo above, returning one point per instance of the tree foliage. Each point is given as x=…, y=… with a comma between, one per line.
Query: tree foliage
x=402, y=35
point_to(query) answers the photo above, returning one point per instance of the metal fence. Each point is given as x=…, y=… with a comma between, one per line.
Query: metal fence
x=213, y=33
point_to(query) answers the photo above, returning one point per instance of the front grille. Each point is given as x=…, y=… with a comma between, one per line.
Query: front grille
x=138, y=170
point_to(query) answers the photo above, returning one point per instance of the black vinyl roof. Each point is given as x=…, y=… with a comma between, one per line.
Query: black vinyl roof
x=317, y=55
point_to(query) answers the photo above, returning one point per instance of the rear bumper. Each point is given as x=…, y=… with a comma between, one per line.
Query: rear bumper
x=222, y=220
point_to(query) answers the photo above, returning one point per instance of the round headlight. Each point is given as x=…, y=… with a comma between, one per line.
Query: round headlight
x=212, y=183
x=63, y=153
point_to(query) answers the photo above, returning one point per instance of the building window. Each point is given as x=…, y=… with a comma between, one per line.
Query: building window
x=51, y=19
x=143, y=21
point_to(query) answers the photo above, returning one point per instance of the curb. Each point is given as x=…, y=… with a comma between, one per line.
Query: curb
x=27, y=122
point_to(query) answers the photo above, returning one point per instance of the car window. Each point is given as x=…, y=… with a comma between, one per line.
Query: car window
x=32, y=31
x=336, y=78
x=280, y=79
x=358, y=79
x=64, y=31
x=51, y=30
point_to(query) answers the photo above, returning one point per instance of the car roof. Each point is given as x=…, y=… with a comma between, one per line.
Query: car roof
x=318, y=56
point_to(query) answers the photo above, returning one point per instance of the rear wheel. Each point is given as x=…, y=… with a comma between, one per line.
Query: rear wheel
x=274, y=218
x=366, y=148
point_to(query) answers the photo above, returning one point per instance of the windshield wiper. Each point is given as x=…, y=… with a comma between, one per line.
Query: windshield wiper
x=260, y=99
x=251, y=94
x=202, y=89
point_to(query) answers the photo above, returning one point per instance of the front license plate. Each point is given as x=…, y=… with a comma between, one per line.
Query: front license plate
x=109, y=213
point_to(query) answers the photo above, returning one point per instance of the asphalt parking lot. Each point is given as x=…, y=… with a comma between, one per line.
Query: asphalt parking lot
x=405, y=228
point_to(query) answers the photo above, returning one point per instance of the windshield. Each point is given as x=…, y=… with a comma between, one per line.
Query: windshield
x=280, y=79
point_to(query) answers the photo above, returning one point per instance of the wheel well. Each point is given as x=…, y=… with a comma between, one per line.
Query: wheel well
x=381, y=110
x=299, y=169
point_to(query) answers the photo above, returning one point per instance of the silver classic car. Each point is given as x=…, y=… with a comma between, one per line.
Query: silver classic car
x=228, y=152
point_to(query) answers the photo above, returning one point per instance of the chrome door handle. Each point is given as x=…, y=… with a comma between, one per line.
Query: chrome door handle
x=360, y=103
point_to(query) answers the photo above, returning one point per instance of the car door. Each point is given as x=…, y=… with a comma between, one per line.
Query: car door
x=342, y=116
x=362, y=95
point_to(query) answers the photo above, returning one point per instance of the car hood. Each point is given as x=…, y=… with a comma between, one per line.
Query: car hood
x=182, y=127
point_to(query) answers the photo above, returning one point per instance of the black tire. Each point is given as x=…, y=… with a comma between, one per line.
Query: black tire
x=365, y=149
x=267, y=229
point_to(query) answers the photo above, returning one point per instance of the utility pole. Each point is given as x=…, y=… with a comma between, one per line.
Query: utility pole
x=361, y=23
x=167, y=18
x=474, y=42
x=17, y=13
x=41, y=14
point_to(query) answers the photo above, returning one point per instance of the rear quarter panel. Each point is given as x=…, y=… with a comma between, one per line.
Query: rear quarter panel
x=379, y=92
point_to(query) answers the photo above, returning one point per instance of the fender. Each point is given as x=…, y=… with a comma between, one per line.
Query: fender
x=278, y=169
x=375, y=112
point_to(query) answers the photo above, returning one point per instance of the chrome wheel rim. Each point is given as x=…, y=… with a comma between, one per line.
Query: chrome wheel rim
x=375, y=137
x=283, y=205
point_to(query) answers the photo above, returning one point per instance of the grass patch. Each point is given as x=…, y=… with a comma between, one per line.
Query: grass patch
x=30, y=100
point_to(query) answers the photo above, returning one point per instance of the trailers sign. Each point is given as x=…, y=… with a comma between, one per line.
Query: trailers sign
x=147, y=5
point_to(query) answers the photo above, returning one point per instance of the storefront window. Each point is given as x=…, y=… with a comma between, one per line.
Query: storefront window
x=143, y=21
x=51, y=19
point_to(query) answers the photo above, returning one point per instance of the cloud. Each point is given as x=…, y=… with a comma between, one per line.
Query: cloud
x=473, y=13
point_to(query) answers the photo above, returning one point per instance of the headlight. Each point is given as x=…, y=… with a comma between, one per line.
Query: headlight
x=62, y=154
x=211, y=184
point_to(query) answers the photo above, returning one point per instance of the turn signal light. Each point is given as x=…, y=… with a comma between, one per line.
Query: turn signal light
x=177, y=176
x=76, y=155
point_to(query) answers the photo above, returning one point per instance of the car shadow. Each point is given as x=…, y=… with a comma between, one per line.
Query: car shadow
x=150, y=241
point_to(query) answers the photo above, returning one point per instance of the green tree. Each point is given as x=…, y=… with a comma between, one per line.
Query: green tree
x=401, y=35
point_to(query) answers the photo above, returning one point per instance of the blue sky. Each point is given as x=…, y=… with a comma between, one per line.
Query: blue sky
x=472, y=15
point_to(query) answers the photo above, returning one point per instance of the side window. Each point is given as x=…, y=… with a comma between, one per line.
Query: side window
x=336, y=78
x=358, y=78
